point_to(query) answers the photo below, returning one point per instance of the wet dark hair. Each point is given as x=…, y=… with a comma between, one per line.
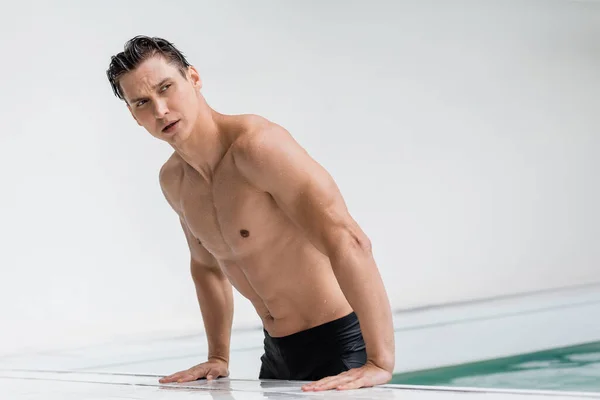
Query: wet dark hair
x=137, y=50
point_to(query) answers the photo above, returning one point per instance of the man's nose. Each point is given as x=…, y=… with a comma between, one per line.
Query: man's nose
x=160, y=109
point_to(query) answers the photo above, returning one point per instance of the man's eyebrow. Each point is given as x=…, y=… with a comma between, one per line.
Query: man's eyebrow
x=160, y=83
x=153, y=87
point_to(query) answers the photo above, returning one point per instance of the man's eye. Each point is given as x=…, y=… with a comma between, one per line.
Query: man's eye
x=140, y=103
x=165, y=87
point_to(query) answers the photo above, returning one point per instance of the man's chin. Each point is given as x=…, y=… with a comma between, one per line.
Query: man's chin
x=176, y=137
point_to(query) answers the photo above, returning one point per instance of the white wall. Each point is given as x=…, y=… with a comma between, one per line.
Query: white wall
x=464, y=136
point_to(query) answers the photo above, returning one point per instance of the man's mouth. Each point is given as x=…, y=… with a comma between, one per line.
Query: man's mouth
x=170, y=127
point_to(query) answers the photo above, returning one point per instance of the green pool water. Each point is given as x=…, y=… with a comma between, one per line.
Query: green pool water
x=574, y=368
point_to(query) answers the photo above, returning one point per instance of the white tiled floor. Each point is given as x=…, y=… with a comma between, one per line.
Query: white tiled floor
x=424, y=339
x=84, y=386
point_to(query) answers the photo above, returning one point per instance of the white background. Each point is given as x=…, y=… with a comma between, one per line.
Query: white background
x=464, y=136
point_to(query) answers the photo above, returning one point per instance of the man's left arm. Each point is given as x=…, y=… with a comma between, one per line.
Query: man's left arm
x=274, y=162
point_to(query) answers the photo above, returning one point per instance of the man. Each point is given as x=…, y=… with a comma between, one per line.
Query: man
x=260, y=214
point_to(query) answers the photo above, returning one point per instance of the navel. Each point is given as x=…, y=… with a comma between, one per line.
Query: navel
x=244, y=233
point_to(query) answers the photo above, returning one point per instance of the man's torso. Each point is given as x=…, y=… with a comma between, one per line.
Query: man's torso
x=264, y=255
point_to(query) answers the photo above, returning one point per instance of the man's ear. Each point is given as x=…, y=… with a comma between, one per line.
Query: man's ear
x=194, y=77
x=131, y=112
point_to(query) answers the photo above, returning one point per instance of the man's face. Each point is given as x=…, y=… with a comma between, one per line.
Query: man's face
x=161, y=99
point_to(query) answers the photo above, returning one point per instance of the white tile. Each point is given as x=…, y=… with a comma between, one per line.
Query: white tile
x=424, y=339
x=85, y=386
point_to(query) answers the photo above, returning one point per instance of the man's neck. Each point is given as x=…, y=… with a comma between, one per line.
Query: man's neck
x=205, y=147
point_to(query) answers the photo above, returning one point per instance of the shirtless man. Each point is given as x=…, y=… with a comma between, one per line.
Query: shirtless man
x=259, y=214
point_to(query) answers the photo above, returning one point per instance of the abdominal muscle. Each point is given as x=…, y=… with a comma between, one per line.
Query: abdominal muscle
x=291, y=285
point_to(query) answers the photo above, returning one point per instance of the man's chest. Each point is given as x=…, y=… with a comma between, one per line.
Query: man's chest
x=228, y=216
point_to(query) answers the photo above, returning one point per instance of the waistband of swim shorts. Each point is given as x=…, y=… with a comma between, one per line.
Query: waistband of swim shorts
x=321, y=332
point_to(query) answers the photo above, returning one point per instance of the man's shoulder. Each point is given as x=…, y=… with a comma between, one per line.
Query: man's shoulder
x=172, y=168
x=171, y=173
x=258, y=139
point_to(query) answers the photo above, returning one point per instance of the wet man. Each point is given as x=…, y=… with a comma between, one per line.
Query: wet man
x=261, y=215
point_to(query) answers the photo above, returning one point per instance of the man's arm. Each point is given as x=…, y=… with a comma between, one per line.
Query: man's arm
x=275, y=163
x=215, y=298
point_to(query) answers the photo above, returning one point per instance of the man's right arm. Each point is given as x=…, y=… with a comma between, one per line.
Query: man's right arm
x=213, y=290
x=215, y=298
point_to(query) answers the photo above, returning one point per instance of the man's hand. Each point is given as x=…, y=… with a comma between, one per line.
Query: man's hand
x=366, y=376
x=211, y=369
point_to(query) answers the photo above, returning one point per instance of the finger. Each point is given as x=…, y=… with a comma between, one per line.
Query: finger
x=354, y=384
x=335, y=383
x=192, y=375
x=328, y=379
x=318, y=384
x=330, y=382
x=186, y=376
x=313, y=385
x=172, y=377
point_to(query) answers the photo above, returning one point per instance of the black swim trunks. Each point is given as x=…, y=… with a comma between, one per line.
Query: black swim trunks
x=315, y=353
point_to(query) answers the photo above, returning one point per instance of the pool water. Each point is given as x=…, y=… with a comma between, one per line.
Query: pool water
x=574, y=368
